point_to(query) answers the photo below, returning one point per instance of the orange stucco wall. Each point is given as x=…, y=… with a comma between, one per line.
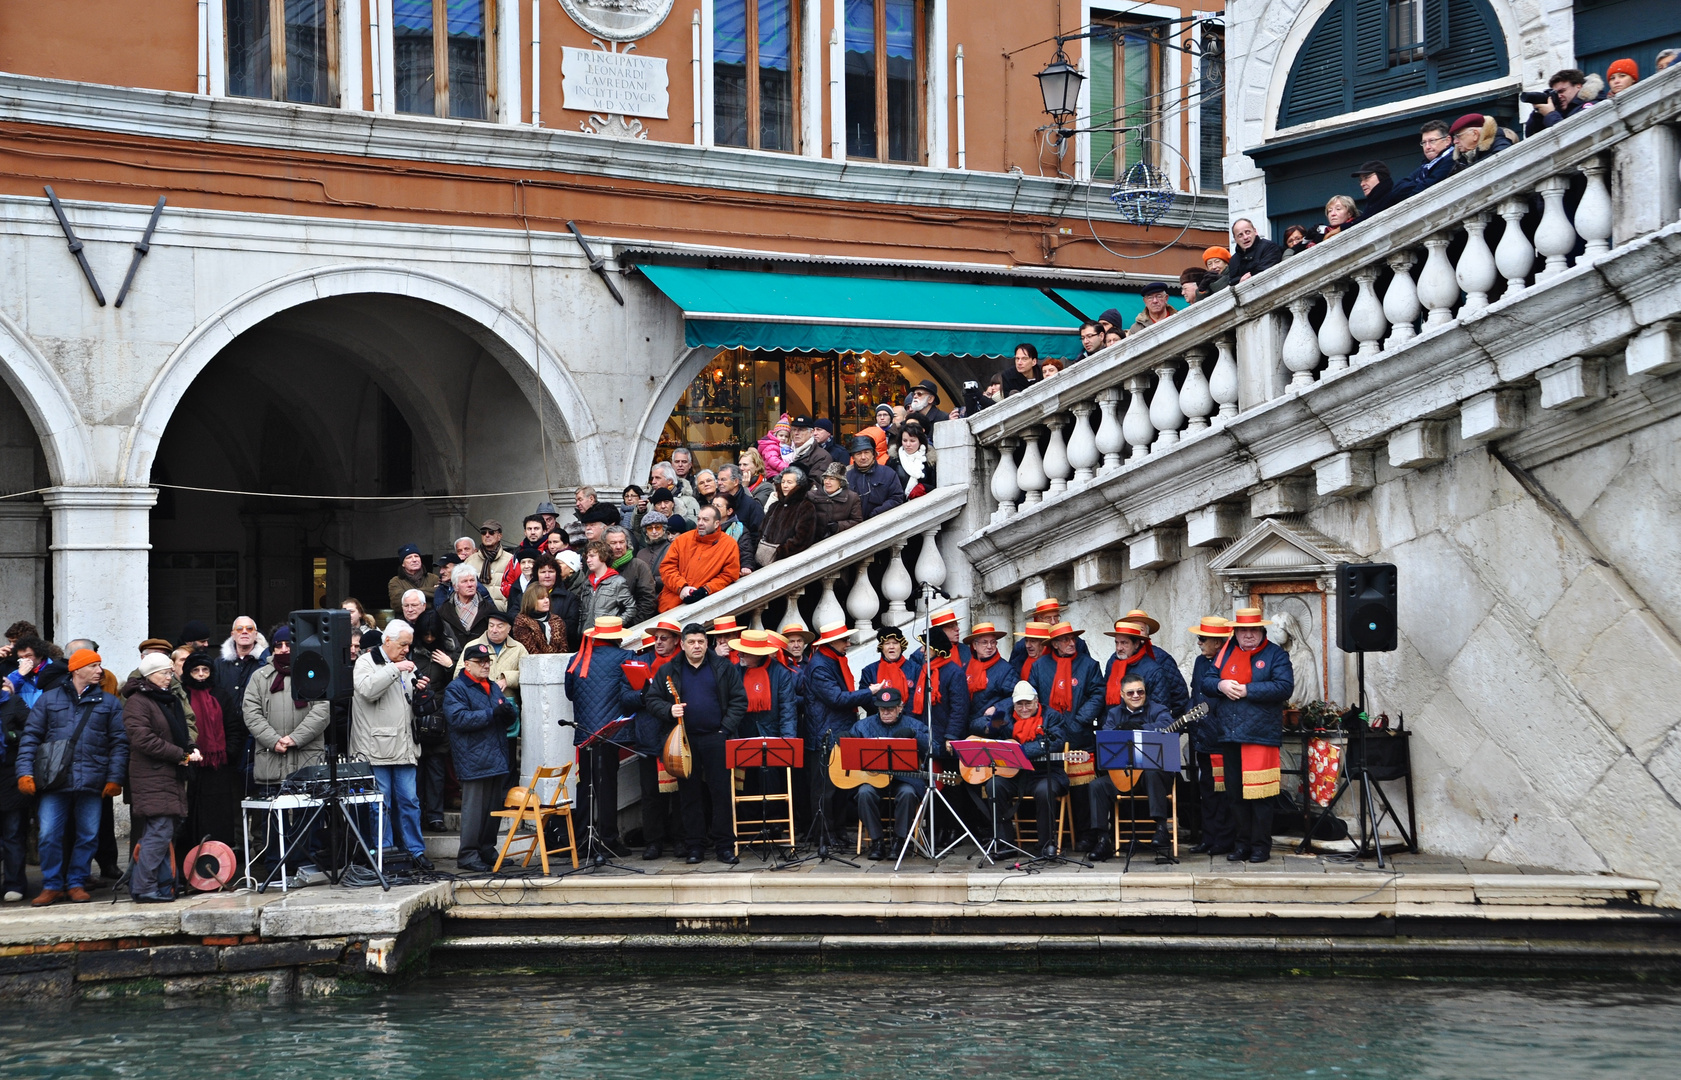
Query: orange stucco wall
x=149, y=43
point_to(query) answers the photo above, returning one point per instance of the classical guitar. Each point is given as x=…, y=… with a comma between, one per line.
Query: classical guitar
x=1124, y=779
x=847, y=779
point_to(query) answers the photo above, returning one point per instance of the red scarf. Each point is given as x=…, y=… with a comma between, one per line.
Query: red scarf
x=482, y=684
x=1118, y=672
x=595, y=582
x=977, y=672
x=212, y=736
x=1234, y=662
x=1029, y=728
x=934, y=666
x=580, y=665
x=893, y=674
x=1062, y=687
x=657, y=661
x=845, y=668
x=756, y=681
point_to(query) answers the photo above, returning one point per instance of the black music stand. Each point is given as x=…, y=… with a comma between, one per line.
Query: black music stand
x=763, y=753
x=994, y=754
x=1137, y=751
x=819, y=816
x=597, y=855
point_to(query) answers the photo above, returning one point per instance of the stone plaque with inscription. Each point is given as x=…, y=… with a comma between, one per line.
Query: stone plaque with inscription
x=624, y=83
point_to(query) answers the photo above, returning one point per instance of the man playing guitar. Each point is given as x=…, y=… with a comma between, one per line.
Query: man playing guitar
x=1136, y=712
x=1041, y=732
x=890, y=722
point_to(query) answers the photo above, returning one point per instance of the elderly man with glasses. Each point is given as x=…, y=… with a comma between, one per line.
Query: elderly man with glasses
x=1136, y=712
x=242, y=654
x=1435, y=141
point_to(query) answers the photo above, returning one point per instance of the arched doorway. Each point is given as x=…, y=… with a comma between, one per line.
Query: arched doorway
x=366, y=421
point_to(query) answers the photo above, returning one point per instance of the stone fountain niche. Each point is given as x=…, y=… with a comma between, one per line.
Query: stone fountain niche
x=1288, y=570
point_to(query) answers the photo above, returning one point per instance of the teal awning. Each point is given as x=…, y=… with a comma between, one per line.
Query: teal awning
x=1094, y=302
x=823, y=313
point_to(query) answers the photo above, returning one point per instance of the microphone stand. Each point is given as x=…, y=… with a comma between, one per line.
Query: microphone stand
x=926, y=845
x=819, y=815
x=596, y=855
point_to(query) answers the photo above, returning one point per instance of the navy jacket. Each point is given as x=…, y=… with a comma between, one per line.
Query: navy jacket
x=478, y=740
x=1076, y=726
x=732, y=699
x=908, y=668
x=1152, y=717
x=951, y=712
x=1258, y=718
x=1161, y=677
x=1018, y=655
x=1426, y=175
x=878, y=490
x=908, y=727
x=1001, y=679
x=1205, y=733
x=830, y=708
x=1060, y=729
x=781, y=720
x=101, y=755
x=650, y=729
x=605, y=694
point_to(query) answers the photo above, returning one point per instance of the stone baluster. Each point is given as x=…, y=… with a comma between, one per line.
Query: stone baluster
x=1593, y=213
x=930, y=565
x=1110, y=440
x=757, y=622
x=1195, y=400
x=1056, y=457
x=1004, y=486
x=1165, y=414
x=1475, y=272
x=1030, y=474
x=1555, y=237
x=1335, y=341
x=1400, y=302
x=1082, y=444
x=1222, y=385
x=1514, y=257
x=1301, y=345
x=1366, y=321
x=862, y=603
x=829, y=608
x=1438, y=290
x=791, y=608
x=897, y=586
x=1136, y=427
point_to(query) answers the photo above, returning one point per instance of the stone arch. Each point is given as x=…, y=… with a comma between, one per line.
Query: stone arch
x=689, y=364
x=501, y=331
x=46, y=400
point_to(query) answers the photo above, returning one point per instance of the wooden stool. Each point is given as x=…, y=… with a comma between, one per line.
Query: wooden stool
x=525, y=805
x=747, y=832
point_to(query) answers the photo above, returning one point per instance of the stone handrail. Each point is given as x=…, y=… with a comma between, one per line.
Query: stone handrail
x=848, y=553
x=1170, y=395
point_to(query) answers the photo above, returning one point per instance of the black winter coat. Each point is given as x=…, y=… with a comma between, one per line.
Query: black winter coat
x=657, y=698
x=1260, y=255
x=792, y=523
x=605, y=693
x=879, y=489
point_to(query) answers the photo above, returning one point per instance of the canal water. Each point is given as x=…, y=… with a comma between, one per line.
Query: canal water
x=876, y=1026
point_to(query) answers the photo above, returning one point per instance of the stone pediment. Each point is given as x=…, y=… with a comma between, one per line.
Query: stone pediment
x=1280, y=550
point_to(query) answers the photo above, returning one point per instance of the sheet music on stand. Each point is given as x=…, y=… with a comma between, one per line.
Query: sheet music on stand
x=878, y=755
x=1138, y=750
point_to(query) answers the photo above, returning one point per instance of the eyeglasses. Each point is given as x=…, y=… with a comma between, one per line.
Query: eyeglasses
x=489, y=532
x=1133, y=693
x=1432, y=140
x=245, y=629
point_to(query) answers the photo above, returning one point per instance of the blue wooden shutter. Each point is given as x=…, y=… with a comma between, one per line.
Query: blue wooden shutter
x=1475, y=51
x=1319, y=82
x=1435, y=26
x=1371, y=40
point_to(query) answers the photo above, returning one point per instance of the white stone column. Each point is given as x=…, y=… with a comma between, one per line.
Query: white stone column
x=100, y=540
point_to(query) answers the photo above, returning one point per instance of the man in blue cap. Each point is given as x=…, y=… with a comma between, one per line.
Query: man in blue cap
x=1155, y=307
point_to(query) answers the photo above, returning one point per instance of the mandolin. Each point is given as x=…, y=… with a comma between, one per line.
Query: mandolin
x=676, y=756
x=847, y=779
x=1124, y=779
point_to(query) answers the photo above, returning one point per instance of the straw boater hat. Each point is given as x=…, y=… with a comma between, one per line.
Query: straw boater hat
x=985, y=629
x=668, y=626
x=1249, y=616
x=776, y=639
x=1036, y=631
x=1125, y=628
x=1142, y=618
x=1062, y=629
x=1213, y=626
x=1050, y=605
x=608, y=628
x=725, y=624
x=800, y=628
x=833, y=632
x=755, y=643
x=946, y=620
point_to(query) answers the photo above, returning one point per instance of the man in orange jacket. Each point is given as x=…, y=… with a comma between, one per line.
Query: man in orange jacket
x=698, y=563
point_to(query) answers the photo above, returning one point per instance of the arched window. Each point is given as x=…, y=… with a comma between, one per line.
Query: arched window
x=1363, y=53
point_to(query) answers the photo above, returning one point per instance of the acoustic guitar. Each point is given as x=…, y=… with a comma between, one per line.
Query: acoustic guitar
x=980, y=774
x=847, y=779
x=1124, y=779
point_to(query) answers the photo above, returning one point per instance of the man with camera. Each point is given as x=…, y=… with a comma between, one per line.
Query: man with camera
x=1566, y=95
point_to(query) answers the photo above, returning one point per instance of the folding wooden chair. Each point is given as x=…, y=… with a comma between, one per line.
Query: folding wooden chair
x=1027, y=824
x=775, y=811
x=526, y=806
x=1144, y=827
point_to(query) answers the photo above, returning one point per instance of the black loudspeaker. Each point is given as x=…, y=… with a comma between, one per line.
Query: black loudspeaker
x=321, y=664
x=1366, y=607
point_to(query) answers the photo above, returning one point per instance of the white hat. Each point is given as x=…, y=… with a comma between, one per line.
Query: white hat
x=154, y=662
x=1024, y=692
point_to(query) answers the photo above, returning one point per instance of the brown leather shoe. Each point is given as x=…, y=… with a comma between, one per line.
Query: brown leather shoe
x=79, y=895
x=48, y=896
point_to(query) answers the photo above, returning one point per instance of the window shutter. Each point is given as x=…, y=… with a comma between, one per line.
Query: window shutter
x=1103, y=110
x=1435, y=26
x=1371, y=42
x=1319, y=81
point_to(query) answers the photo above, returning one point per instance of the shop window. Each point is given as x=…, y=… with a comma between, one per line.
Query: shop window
x=1126, y=88
x=296, y=62
x=755, y=76
x=451, y=73
x=885, y=50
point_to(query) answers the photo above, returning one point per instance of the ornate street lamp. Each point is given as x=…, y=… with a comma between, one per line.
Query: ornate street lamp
x=1059, y=84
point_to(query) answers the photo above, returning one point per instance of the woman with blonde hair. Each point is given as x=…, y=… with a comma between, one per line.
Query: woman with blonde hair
x=753, y=475
x=1340, y=213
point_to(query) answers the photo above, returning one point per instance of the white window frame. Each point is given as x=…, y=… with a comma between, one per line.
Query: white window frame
x=809, y=50
x=1171, y=83
x=510, y=107
x=349, y=16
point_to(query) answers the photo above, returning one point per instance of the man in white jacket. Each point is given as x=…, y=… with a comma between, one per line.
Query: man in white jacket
x=381, y=735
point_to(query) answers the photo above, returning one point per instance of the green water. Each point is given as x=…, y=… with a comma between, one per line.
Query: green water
x=870, y=1026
